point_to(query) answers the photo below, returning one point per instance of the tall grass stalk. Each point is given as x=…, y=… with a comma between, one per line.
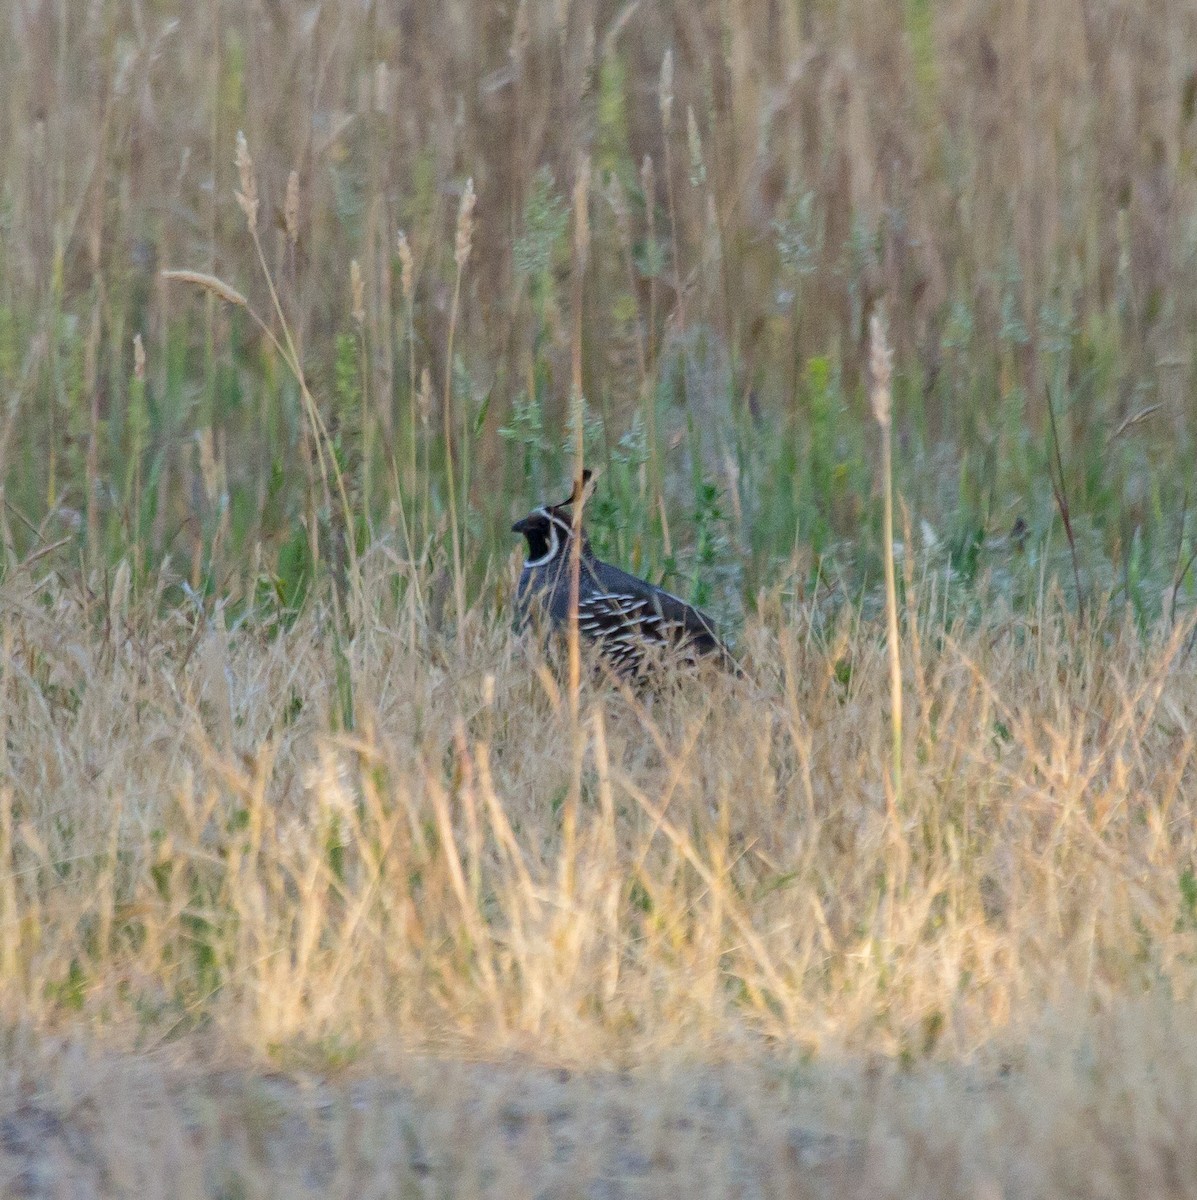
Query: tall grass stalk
x=1059, y=483
x=881, y=363
x=365, y=433
x=665, y=102
x=407, y=283
x=461, y=256
x=581, y=254
x=648, y=185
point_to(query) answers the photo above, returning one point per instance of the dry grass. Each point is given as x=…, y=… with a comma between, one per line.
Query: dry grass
x=313, y=880
x=203, y=860
x=1102, y=1108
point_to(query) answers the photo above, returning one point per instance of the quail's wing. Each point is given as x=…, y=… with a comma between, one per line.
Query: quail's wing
x=623, y=626
x=661, y=616
x=626, y=615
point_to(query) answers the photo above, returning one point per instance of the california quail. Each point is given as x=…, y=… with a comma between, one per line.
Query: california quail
x=624, y=615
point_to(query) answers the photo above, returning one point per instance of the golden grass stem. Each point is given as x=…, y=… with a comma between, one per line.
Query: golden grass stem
x=665, y=99
x=465, y=232
x=881, y=361
x=407, y=282
x=581, y=211
x=357, y=287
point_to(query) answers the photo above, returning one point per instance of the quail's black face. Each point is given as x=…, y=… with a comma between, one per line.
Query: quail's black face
x=535, y=527
x=547, y=532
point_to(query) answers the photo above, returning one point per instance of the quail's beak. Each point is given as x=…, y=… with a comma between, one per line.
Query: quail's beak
x=521, y=526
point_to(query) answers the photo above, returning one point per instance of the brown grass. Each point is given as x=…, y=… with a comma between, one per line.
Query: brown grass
x=349, y=904
x=1102, y=1108
x=201, y=862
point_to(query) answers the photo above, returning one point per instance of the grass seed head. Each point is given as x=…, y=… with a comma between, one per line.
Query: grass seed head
x=465, y=226
x=357, y=288
x=698, y=167
x=407, y=266
x=210, y=283
x=881, y=364
x=665, y=90
x=291, y=208
x=247, y=197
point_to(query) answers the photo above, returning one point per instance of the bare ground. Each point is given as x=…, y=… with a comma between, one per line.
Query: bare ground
x=1092, y=1107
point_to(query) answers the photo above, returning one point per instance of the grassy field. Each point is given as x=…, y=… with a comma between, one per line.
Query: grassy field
x=308, y=865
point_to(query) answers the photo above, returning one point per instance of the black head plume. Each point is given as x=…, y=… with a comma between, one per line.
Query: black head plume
x=567, y=510
x=549, y=527
x=579, y=491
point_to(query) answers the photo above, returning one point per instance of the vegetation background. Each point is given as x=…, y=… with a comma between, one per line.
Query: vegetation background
x=279, y=790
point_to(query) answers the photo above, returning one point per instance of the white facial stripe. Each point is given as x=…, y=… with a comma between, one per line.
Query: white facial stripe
x=559, y=522
x=554, y=542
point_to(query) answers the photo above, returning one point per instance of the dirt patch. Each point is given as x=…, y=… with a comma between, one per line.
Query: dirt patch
x=1100, y=1109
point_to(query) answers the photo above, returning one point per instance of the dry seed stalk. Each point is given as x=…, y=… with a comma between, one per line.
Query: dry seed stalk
x=581, y=254
x=665, y=90
x=881, y=364
x=407, y=281
x=210, y=283
x=247, y=197
x=407, y=266
x=465, y=226
x=291, y=208
x=461, y=255
x=357, y=290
